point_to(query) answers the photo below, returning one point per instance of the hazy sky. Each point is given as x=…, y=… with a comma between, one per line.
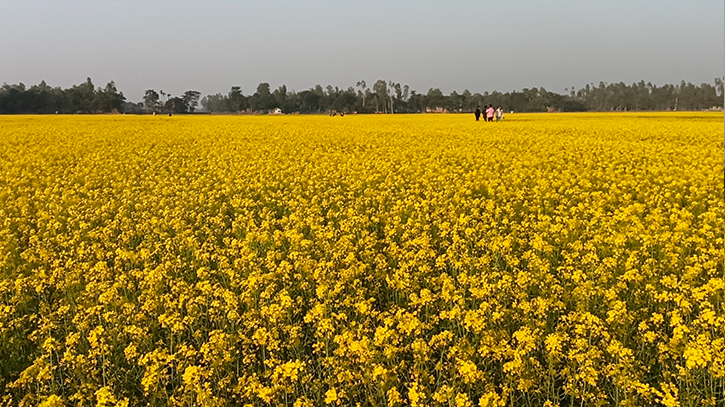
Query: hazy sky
x=453, y=45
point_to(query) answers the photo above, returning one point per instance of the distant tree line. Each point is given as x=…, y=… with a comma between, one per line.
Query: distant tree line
x=381, y=97
x=86, y=98
x=41, y=98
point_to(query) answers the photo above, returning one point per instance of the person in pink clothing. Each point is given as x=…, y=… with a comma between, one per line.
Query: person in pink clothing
x=489, y=113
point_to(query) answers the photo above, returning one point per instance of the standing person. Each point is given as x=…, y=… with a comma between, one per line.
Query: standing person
x=478, y=112
x=499, y=114
x=489, y=113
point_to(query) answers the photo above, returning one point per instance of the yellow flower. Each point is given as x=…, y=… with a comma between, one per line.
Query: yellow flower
x=393, y=397
x=379, y=371
x=415, y=395
x=52, y=401
x=468, y=371
x=462, y=400
x=331, y=396
x=192, y=376
x=105, y=397
x=669, y=395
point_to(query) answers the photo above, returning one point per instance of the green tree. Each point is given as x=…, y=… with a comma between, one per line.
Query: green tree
x=108, y=98
x=380, y=92
x=310, y=101
x=81, y=97
x=719, y=87
x=175, y=105
x=363, y=88
x=262, y=99
x=434, y=98
x=191, y=100
x=216, y=103
x=151, y=100
x=237, y=101
x=280, y=98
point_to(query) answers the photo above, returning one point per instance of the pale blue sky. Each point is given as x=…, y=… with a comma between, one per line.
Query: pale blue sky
x=454, y=45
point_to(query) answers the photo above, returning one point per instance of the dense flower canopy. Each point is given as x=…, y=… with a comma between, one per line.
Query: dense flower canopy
x=362, y=260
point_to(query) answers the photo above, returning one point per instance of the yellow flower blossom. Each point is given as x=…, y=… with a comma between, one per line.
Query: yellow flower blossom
x=331, y=396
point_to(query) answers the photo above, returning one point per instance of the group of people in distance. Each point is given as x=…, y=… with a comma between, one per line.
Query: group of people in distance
x=489, y=113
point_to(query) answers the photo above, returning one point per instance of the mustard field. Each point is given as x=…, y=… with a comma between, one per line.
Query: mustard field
x=396, y=260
